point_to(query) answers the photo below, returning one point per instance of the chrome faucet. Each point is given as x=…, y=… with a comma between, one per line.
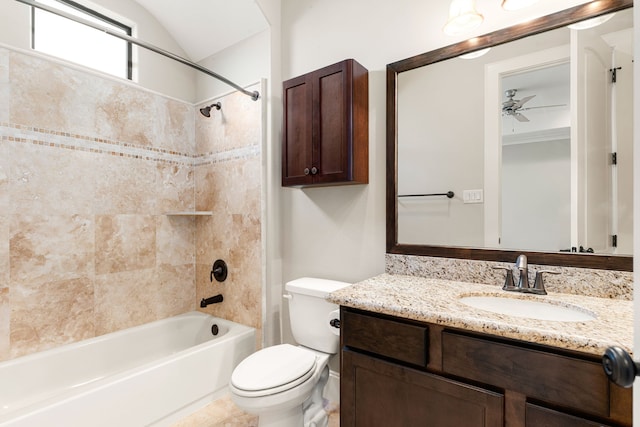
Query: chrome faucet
x=523, y=282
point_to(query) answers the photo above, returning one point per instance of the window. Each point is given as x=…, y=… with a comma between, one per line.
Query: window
x=70, y=40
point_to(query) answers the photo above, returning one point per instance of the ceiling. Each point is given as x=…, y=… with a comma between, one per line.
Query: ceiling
x=205, y=27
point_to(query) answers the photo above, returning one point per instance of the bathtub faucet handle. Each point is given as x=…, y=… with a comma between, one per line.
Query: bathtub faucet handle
x=219, y=271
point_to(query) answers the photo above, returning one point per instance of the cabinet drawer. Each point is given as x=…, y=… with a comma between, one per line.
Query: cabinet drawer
x=539, y=416
x=545, y=376
x=401, y=341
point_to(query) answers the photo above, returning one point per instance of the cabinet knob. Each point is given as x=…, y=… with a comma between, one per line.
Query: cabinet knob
x=620, y=367
x=306, y=171
x=314, y=170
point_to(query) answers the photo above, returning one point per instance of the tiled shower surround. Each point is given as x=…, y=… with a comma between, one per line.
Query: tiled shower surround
x=89, y=167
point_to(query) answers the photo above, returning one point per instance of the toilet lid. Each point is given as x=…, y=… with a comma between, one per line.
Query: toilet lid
x=274, y=367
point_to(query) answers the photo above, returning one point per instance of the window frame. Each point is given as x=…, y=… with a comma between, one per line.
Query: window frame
x=94, y=14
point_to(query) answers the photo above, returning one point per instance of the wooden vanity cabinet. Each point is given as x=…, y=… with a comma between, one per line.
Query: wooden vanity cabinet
x=325, y=137
x=397, y=372
x=378, y=393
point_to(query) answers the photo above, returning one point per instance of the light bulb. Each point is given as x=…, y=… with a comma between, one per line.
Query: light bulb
x=463, y=17
x=590, y=23
x=476, y=54
x=516, y=4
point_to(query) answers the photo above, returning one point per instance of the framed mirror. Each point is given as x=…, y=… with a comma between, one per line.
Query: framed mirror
x=525, y=149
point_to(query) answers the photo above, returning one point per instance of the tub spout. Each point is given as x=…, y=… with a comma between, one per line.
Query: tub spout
x=211, y=300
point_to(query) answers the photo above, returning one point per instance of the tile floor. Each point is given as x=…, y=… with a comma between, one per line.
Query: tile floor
x=223, y=413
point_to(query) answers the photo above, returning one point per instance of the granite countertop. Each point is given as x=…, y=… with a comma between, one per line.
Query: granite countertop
x=437, y=301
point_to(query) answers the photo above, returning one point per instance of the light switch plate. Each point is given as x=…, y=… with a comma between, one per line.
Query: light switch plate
x=473, y=196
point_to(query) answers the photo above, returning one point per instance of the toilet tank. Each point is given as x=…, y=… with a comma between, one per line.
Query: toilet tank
x=309, y=313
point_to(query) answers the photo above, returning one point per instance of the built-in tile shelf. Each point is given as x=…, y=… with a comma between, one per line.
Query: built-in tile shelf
x=189, y=213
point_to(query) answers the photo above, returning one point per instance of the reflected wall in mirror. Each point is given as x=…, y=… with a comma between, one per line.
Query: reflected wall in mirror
x=524, y=137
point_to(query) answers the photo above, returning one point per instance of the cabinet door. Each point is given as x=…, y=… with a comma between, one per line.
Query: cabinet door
x=331, y=151
x=297, y=154
x=375, y=393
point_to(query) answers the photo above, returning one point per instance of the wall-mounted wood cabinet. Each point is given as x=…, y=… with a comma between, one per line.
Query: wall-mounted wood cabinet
x=325, y=136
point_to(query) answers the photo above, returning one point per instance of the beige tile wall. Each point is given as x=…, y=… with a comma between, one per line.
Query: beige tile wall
x=88, y=167
x=228, y=182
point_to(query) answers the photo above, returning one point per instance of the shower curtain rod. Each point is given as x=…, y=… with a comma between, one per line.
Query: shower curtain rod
x=254, y=95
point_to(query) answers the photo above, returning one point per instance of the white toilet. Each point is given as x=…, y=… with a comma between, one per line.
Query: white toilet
x=283, y=384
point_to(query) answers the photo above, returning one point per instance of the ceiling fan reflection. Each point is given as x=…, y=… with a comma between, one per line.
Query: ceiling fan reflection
x=514, y=107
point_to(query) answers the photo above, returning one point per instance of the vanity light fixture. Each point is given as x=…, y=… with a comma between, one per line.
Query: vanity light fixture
x=476, y=54
x=517, y=4
x=463, y=17
x=590, y=23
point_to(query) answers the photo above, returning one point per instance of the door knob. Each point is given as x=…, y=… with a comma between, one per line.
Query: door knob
x=314, y=170
x=306, y=171
x=620, y=368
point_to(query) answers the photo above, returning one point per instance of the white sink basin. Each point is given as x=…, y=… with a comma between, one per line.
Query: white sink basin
x=528, y=308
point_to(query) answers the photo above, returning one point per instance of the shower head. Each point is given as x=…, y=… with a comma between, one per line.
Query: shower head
x=206, y=111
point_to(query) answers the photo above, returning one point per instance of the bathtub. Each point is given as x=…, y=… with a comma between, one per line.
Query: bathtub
x=153, y=374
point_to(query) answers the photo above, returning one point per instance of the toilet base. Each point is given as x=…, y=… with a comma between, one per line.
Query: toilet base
x=310, y=414
x=313, y=408
x=289, y=418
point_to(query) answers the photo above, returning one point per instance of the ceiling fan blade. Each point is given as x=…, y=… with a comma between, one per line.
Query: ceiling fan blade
x=520, y=103
x=543, y=106
x=520, y=117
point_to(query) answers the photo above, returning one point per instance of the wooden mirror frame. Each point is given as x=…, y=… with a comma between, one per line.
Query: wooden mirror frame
x=536, y=26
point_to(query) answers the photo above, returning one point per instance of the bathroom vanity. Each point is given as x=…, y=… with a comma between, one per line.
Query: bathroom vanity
x=414, y=354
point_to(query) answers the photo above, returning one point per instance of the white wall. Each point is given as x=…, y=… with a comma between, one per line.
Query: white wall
x=272, y=10
x=339, y=232
x=244, y=63
x=151, y=70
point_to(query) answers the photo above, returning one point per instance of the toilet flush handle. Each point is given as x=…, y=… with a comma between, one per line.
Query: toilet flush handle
x=287, y=296
x=334, y=321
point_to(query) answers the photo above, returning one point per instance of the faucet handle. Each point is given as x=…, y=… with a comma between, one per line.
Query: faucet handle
x=538, y=285
x=509, y=282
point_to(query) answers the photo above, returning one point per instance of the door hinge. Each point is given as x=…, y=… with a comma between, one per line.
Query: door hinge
x=614, y=73
x=614, y=158
x=614, y=241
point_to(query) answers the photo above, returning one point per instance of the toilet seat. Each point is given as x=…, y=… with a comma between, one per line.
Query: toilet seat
x=273, y=370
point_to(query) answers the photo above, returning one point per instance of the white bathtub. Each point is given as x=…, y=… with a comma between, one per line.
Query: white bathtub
x=152, y=374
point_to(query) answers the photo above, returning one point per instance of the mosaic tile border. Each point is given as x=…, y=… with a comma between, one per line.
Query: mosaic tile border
x=68, y=141
x=222, y=156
